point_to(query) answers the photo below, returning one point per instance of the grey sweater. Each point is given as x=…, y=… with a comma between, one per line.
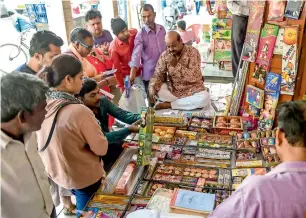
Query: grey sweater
x=240, y=8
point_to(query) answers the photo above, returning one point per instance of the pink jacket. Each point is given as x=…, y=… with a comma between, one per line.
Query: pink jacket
x=72, y=158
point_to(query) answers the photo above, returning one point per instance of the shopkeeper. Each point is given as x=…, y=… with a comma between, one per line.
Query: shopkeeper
x=178, y=80
x=281, y=192
x=102, y=107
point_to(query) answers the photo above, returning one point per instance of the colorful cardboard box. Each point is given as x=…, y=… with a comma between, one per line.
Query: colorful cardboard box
x=257, y=9
x=289, y=60
x=145, y=137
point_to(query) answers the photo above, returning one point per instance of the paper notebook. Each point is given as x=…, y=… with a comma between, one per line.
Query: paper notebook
x=193, y=201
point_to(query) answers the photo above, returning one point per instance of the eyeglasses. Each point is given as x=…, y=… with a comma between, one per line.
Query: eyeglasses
x=86, y=46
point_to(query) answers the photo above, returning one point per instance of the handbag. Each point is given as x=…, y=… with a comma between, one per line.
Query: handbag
x=53, y=125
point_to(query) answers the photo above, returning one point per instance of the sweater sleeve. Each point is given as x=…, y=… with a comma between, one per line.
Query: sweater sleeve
x=92, y=133
x=117, y=136
x=118, y=113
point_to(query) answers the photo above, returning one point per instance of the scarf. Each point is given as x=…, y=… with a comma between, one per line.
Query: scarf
x=53, y=94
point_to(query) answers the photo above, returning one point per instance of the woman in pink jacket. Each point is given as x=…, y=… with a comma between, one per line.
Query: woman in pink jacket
x=70, y=141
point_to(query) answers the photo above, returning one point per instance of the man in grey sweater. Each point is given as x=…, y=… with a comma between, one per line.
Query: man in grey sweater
x=240, y=11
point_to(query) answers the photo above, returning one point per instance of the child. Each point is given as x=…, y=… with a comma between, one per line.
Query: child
x=188, y=37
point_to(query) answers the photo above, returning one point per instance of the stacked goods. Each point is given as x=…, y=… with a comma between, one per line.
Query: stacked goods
x=145, y=137
x=248, y=141
x=267, y=142
x=186, y=134
x=246, y=158
x=170, y=120
x=238, y=175
x=125, y=183
x=215, y=141
x=228, y=125
x=221, y=33
x=198, y=124
x=163, y=134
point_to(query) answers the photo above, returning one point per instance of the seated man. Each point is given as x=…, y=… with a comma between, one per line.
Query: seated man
x=282, y=192
x=102, y=107
x=178, y=80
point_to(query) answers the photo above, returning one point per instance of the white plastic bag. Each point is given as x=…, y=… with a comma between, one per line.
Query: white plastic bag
x=134, y=102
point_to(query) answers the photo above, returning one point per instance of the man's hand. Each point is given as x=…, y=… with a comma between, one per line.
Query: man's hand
x=152, y=95
x=111, y=80
x=133, y=75
x=134, y=127
x=172, y=60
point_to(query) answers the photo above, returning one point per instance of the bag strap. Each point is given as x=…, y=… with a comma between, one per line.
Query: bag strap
x=53, y=124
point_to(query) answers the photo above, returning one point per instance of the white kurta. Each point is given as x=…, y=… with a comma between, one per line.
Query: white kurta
x=195, y=101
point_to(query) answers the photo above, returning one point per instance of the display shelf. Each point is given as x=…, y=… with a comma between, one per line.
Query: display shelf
x=276, y=63
x=117, y=170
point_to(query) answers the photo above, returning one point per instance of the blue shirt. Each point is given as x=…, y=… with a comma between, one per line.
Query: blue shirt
x=26, y=69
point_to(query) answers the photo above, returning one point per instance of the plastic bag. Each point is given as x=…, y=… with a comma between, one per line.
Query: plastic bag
x=134, y=102
x=22, y=24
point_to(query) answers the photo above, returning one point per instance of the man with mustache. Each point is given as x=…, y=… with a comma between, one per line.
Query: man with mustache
x=121, y=50
x=149, y=45
x=178, y=82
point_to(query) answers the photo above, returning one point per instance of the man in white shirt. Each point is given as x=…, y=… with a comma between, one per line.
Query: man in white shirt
x=24, y=182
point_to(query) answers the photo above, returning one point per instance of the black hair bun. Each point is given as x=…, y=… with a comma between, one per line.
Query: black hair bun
x=48, y=74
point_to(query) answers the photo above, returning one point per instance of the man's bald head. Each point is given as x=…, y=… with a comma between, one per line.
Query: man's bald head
x=174, y=42
x=172, y=36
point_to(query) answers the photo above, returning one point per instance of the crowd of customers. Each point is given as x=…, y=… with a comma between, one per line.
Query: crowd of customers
x=56, y=137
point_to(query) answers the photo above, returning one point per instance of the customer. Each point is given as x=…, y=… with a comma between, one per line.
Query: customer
x=240, y=10
x=44, y=45
x=94, y=25
x=102, y=40
x=280, y=193
x=81, y=47
x=102, y=107
x=71, y=156
x=24, y=183
x=188, y=37
x=178, y=81
x=149, y=45
x=121, y=50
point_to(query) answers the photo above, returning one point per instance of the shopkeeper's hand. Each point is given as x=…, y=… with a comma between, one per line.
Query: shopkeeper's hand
x=152, y=95
x=134, y=127
x=111, y=80
x=133, y=75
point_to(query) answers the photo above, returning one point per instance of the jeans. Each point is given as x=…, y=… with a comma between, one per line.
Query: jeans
x=146, y=85
x=84, y=195
x=198, y=7
x=53, y=214
x=113, y=152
